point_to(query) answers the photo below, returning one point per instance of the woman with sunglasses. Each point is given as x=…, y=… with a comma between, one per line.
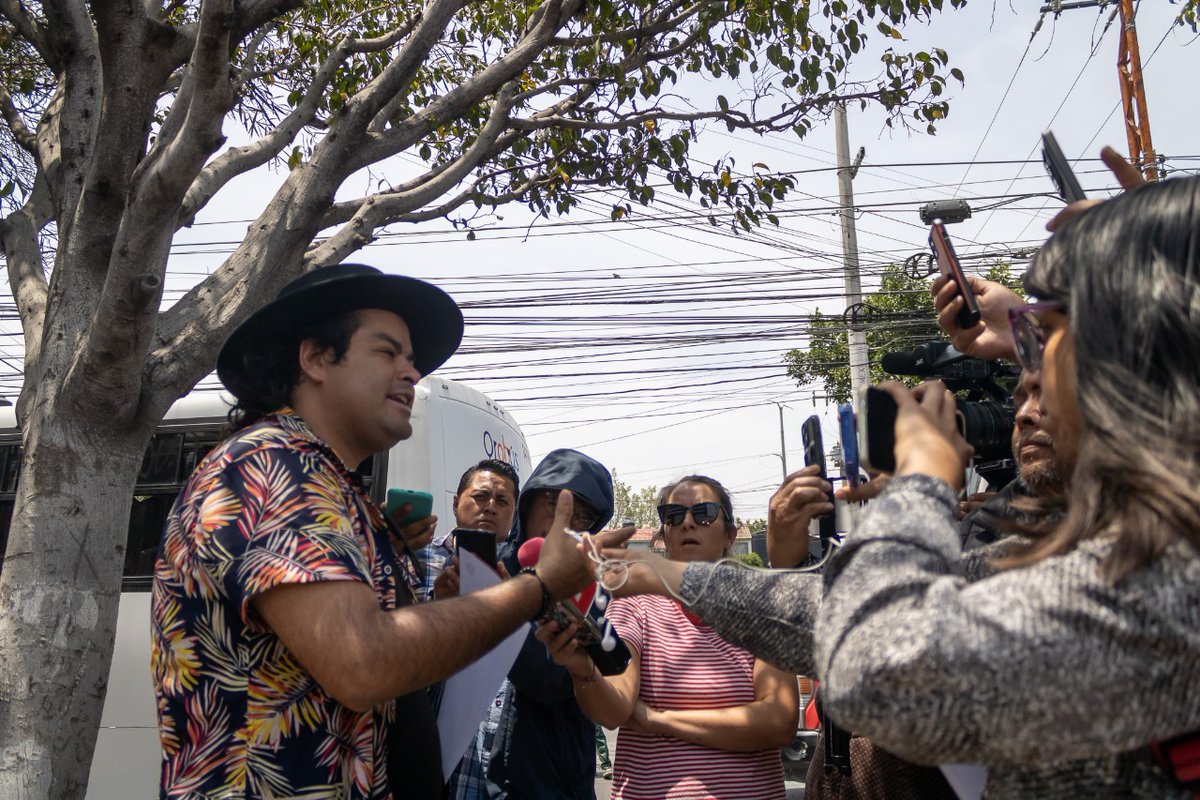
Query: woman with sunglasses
x=698, y=716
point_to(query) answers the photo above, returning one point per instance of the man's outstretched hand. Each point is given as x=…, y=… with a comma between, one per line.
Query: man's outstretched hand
x=561, y=566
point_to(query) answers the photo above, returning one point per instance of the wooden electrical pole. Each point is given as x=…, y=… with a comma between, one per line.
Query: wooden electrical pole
x=1133, y=96
x=1133, y=90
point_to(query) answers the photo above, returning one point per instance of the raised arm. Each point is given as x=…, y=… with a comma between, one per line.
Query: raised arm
x=938, y=670
x=768, y=612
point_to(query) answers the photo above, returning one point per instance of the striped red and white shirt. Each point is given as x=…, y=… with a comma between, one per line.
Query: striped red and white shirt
x=686, y=665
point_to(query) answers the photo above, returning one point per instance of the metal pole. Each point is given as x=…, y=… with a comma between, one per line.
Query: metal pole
x=782, y=442
x=859, y=373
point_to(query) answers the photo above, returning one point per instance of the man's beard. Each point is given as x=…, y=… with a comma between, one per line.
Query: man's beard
x=1041, y=478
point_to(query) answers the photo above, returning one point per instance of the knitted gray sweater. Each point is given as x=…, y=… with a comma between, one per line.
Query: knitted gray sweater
x=1050, y=675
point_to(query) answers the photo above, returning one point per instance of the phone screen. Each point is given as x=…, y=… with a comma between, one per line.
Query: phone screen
x=877, y=429
x=849, y=442
x=949, y=266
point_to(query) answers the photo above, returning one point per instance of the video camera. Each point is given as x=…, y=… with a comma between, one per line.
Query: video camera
x=986, y=416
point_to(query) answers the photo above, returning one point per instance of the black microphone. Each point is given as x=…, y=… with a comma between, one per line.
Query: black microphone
x=922, y=361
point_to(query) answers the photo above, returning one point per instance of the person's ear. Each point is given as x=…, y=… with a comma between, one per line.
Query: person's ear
x=314, y=361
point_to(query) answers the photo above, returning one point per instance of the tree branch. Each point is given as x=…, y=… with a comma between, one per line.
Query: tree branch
x=20, y=133
x=239, y=160
x=189, y=334
x=114, y=353
x=361, y=114
x=67, y=130
x=31, y=30
x=360, y=230
x=26, y=276
x=251, y=15
x=504, y=69
x=664, y=25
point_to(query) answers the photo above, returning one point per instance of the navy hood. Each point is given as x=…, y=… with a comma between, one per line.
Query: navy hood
x=586, y=477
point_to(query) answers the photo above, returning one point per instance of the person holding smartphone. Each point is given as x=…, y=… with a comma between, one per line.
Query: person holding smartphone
x=1106, y=597
x=486, y=500
x=698, y=716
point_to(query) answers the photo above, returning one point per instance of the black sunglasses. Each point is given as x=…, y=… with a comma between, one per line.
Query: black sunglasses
x=702, y=513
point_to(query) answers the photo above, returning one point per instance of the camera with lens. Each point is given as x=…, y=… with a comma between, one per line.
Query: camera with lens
x=985, y=416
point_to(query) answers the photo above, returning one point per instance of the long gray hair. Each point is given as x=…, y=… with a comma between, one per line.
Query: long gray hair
x=1128, y=272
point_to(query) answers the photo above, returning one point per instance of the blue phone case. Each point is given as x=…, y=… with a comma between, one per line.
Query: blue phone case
x=849, y=431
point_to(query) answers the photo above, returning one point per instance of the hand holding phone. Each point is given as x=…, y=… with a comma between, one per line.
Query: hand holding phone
x=481, y=543
x=420, y=505
x=950, y=267
x=877, y=429
x=814, y=453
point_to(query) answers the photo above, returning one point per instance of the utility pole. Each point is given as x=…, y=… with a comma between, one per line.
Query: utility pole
x=1133, y=96
x=859, y=373
x=1133, y=89
x=782, y=441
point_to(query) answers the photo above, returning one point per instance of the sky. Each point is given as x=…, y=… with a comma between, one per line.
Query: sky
x=654, y=344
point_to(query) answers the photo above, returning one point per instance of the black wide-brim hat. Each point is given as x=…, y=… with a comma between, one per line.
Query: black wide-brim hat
x=434, y=320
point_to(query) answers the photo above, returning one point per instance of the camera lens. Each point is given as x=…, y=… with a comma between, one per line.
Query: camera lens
x=987, y=426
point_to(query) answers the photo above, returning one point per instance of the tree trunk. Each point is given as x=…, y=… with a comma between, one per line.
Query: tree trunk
x=60, y=588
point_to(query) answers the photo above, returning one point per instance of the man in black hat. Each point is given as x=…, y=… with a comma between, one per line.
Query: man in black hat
x=286, y=652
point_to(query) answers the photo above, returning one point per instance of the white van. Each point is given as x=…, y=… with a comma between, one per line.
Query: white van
x=454, y=427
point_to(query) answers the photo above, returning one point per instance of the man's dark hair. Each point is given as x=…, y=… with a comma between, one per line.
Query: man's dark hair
x=273, y=370
x=491, y=465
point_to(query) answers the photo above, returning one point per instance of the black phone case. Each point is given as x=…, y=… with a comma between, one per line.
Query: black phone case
x=814, y=453
x=878, y=421
x=481, y=543
x=609, y=662
x=1060, y=170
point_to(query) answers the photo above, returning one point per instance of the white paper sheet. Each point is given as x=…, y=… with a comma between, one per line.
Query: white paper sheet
x=469, y=693
x=966, y=780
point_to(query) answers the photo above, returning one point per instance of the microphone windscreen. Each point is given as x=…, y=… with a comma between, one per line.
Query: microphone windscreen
x=529, y=553
x=900, y=363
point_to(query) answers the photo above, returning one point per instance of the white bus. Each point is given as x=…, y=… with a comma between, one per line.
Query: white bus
x=454, y=427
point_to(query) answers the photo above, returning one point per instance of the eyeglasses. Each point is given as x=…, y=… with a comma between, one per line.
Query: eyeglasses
x=702, y=513
x=583, y=518
x=1029, y=336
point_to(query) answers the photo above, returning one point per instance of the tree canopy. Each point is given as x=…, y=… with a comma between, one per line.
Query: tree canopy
x=640, y=505
x=903, y=317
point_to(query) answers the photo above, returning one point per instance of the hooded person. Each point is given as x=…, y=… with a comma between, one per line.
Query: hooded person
x=545, y=747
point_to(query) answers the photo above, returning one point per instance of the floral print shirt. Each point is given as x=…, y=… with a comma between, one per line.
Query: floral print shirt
x=239, y=717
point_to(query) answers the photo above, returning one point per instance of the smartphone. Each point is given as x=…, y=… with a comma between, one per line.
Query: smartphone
x=849, y=433
x=421, y=502
x=596, y=634
x=814, y=453
x=876, y=429
x=628, y=522
x=481, y=543
x=1060, y=170
x=949, y=266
